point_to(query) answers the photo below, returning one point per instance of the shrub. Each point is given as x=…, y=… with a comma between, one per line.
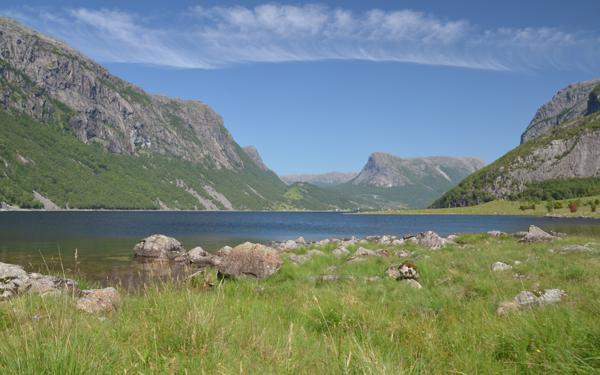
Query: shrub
x=529, y=206
x=573, y=206
x=550, y=206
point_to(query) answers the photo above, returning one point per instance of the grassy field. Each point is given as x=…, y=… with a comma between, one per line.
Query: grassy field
x=291, y=324
x=502, y=207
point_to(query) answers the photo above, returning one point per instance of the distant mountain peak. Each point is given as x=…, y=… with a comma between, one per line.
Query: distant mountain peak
x=320, y=179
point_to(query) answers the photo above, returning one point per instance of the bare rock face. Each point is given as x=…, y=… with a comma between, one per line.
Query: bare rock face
x=160, y=247
x=535, y=234
x=569, y=103
x=250, y=259
x=99, y=301
x=107, y=110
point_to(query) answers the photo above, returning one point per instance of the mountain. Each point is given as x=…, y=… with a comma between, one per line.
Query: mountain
x=74, y=136
x=387, y=181
x=320, y=179
x=558, y=159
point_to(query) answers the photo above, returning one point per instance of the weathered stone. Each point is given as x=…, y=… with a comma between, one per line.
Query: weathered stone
x=403, y=253
x=526, y=299
x=201, y=257
x=500, y=266
x=361, y=251
x=223, y=251
x=300, y=241
x=496, y=233
x=402, y=271
x=160, y=247
x=341, y=252
x=13, y=280
x=430, y=239
x=51, y=285
x=298, y=259
x=412, y=283
x=250, y=259
x=99, y=301
x=536, y=234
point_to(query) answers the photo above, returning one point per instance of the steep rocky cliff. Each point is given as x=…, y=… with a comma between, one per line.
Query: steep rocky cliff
x=574, y=101
x=320, y=179
x=551, y=152
x=75, y=136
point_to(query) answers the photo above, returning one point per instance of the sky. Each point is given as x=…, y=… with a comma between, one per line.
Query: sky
x=319, y=86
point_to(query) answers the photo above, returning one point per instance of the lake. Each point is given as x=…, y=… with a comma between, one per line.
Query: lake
x=46, y=241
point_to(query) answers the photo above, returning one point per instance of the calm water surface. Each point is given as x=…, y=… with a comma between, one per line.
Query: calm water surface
x=47, y=241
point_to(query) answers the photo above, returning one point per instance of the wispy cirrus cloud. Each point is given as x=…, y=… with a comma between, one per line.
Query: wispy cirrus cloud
x=213, y=37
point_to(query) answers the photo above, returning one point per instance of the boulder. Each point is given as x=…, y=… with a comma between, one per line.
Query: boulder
x=402, y=271
x=160, y=247
x=300, y=241
x=288, y=245
x=51, y=285
x=201, y=257
x=13, y=280
x=250, y=259
x=500, y=266
x=99, y=301
x=341, y=252
x=430, y=239
x=535, y=234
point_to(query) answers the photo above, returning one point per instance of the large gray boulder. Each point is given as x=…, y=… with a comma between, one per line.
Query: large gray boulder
x=250, y=259
x=13, y=280
x=429, y=239
x=160, y=247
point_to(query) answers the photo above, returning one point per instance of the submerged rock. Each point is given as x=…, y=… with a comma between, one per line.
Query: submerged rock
x=99, y=301
x=250, y=259
x=160, y=247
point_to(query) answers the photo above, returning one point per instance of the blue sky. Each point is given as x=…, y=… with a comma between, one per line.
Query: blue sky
x=319, y=86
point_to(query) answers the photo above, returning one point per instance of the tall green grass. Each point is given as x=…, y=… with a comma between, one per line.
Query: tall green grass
x=291, y=324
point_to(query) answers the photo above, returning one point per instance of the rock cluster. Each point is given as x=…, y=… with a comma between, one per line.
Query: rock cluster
x=527, y=299
x=15, y=280
x=535, y=234
x=406, y=272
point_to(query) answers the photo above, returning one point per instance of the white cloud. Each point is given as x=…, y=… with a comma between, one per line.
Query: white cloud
x=212, y=37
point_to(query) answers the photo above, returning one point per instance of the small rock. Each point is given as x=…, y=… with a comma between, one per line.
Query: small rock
x=300, y=241
x=382, y=253
x=452, y=237
x=51, y=285
x=362, y=252
x=223, y=251
x=341, y=252
x=372, y=279
x=496, y=233
x=403, y=253
x=327, y=278
x=99, y=301
x=412, y=283
x=288, y=245
x=298, y=259
x=201, y=257
x=526, y=299
x=500, y=266
x=573, y=249
x=430, y=239
x=324, y=242
x=402, y=271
